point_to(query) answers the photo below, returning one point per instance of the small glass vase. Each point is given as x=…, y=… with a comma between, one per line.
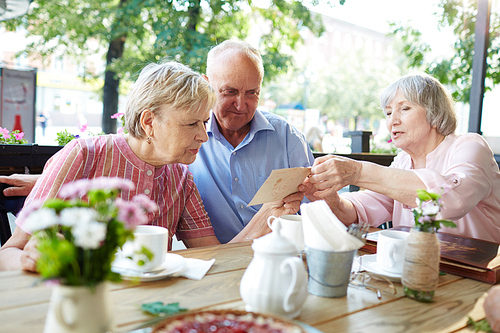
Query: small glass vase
x=421, y=266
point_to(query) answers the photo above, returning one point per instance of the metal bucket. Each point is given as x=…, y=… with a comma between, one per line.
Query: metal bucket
x=329, y=272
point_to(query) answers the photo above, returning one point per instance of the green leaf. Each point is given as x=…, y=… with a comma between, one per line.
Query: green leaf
x=424, y=195
x=158, y=308
x=481, y=325
x=447, y=223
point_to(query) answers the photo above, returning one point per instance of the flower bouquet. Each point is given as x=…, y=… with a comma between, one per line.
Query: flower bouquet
x=78, y=236
x=421, y=267
x=428, y=206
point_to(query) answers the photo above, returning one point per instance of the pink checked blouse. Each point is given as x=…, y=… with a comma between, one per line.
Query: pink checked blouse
x=461, y=166
x=181, y=210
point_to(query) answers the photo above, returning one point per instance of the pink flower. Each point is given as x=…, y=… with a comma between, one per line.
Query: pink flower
x=145, y=203
x=52, y=283
x=76, y=189
x=84, y=127
x=117, y=115
x=121, y=130
x=5, y=133
x=131, y=213
x=79, y=188
x=112, y=183
x=19, y=136
x=389, y=141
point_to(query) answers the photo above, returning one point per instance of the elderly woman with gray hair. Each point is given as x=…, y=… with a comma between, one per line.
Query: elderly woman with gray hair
x=421, y=119
x=165, y=118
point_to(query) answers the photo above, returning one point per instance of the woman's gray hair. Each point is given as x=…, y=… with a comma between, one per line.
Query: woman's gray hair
x=234, y=45
x=168, y=84
x=429, y=93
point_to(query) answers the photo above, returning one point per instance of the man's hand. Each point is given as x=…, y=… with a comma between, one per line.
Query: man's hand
x=258, y=227
x=21, y=185
x=289, y=205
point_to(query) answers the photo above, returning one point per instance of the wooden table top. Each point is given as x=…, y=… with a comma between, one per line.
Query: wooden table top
x=24, y=304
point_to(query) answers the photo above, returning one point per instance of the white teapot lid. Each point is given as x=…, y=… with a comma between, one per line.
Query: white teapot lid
x=273, y=242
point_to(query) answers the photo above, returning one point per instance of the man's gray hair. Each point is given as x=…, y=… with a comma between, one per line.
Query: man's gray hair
x=234, y=45
x=168, y=84
x=429, y=93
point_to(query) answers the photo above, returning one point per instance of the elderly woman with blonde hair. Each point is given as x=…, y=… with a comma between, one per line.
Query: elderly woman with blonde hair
x=421, y=119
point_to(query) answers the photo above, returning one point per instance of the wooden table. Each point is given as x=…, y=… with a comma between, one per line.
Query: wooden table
x=23, y=305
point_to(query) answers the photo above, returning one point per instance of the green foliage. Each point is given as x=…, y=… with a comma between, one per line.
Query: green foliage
x=419, y=295
x=137, y=32
x=160, y=309
x=480, y=326
x=153, y=30
x=64, y=137
x=455, y=71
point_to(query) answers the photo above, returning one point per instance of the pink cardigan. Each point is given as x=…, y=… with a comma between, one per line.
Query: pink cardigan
x=465, y=167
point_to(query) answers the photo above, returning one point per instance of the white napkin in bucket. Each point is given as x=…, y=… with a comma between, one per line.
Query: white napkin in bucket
x=324, y=231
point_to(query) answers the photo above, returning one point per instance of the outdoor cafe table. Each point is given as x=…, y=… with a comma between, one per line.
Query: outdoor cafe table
x=24, y=304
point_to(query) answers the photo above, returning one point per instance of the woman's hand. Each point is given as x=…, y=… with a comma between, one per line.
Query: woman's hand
x=331, y=173
x=19, y=252
x=30, y=255
x=492, y=308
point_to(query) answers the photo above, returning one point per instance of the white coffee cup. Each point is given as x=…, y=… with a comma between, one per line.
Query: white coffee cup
x=391, y=250
x=153, y=238
x=291, y=228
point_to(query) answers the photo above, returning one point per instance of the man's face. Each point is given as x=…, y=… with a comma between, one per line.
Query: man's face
x=237, y=83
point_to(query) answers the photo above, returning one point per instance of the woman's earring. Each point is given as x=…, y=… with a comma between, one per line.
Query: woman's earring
x=148, y=140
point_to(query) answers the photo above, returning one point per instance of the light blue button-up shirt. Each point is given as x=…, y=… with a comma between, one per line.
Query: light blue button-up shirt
x=228, y=177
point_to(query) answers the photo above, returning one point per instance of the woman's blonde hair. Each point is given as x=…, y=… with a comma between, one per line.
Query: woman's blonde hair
x=429, y=93
x=168, y=84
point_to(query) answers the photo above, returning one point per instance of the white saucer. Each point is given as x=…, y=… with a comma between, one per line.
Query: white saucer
x=369, y=263
x=174, y=263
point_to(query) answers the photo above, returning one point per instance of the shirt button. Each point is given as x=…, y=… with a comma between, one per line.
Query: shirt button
x=234, y=153
x=149, y=172
x=146, y=191
x=241, y=206
x=236, y=179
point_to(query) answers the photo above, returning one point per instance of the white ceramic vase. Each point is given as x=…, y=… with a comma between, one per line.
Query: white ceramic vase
x=80, y=309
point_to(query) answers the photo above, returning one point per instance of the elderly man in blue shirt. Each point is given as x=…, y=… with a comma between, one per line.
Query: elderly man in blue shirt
x=244, y=144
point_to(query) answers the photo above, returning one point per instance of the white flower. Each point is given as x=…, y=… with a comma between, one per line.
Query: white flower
x=41, y=219
x=430, y=208
x=89, y=235
x=77, y=215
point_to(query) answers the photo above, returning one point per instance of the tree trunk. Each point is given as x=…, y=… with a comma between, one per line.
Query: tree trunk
x=111, y=83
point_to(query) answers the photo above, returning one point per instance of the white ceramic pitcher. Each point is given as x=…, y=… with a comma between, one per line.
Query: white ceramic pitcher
x=79, y=309
x=276, y=280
